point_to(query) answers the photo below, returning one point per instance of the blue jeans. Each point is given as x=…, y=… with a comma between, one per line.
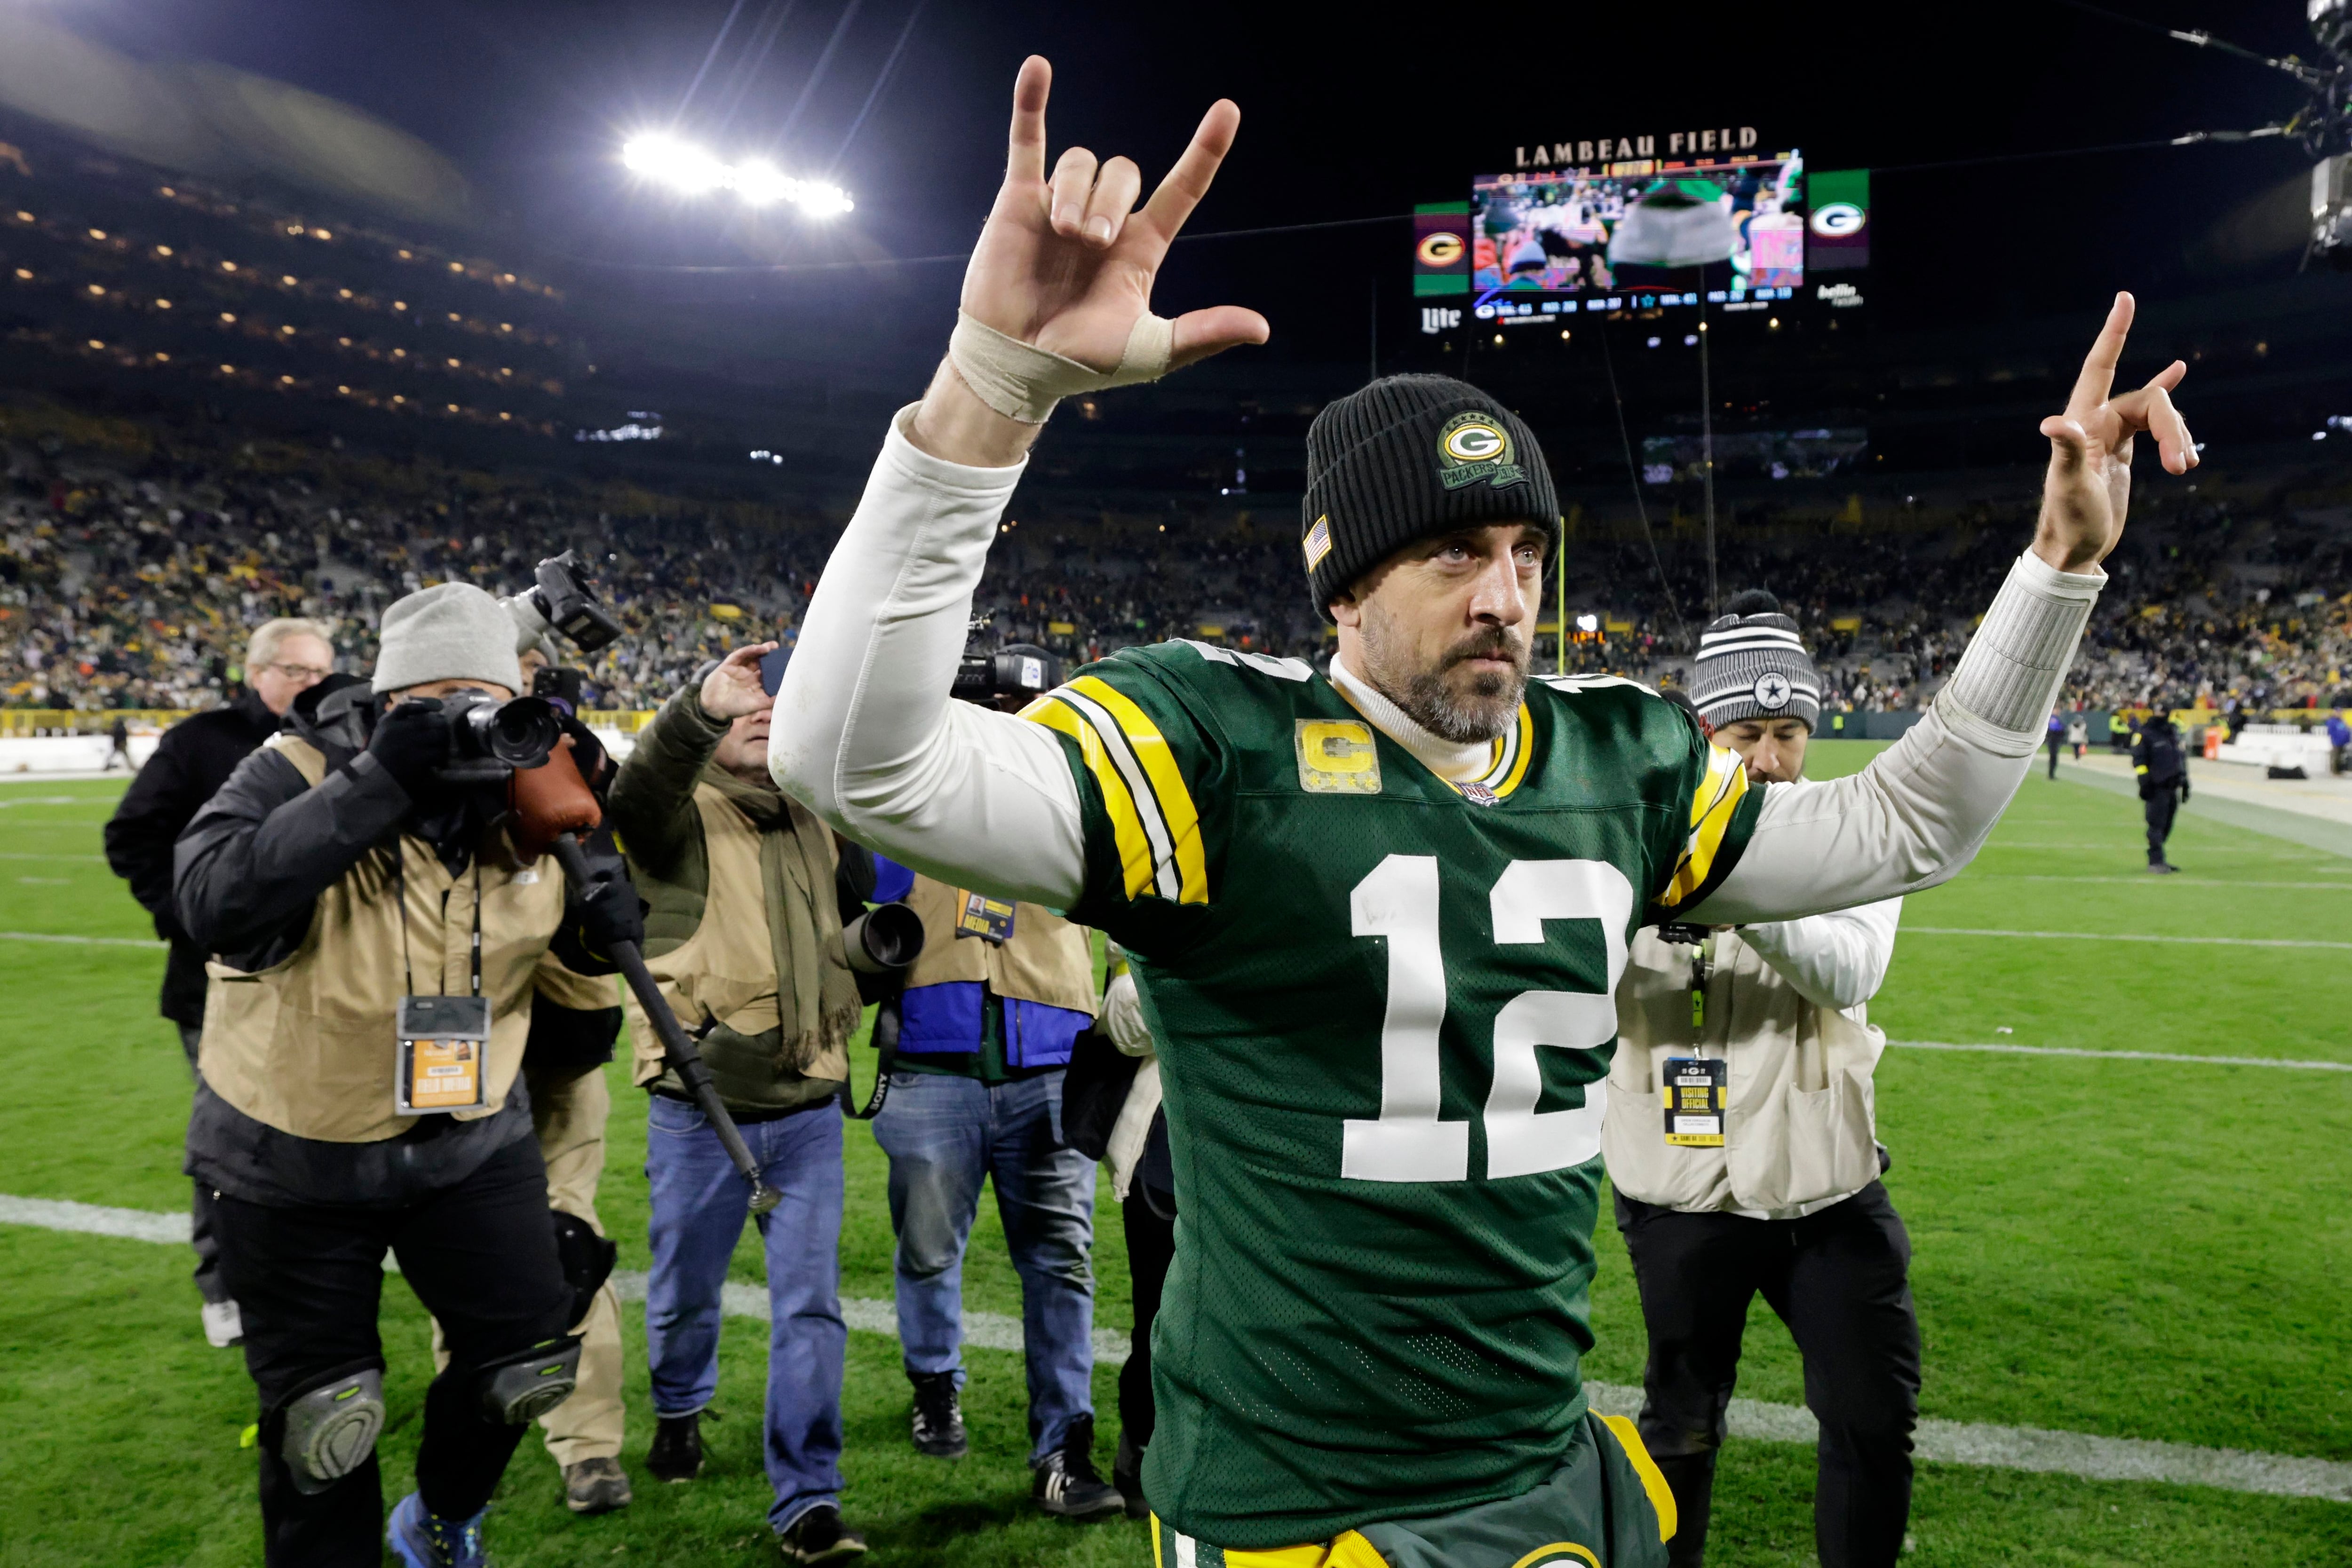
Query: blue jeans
x=944, y=1136
x=699, y=1205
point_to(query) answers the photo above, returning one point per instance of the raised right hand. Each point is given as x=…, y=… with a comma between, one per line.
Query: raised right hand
x=1067, y=264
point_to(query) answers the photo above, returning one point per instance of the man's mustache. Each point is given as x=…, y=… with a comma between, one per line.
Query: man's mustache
x=1500, y=642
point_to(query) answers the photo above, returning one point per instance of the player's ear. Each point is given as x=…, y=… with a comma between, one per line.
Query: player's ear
x=1348, y=610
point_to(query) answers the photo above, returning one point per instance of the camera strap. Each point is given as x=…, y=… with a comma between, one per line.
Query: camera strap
x=885, y=1039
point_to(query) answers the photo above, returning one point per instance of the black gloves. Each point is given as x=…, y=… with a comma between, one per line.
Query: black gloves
x=410, y=742
x=2184, y=787
x=607, y=909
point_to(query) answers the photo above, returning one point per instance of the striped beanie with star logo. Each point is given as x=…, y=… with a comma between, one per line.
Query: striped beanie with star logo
x=1752, y=665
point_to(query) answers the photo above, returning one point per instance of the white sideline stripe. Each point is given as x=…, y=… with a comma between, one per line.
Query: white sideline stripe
x=2131, y=1055
x=1943, y=1442
x=2030, y=876
x=82, y=941
x=2126, y=937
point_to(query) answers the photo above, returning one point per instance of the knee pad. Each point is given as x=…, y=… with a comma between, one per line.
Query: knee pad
x=519, y=1388
x=329, y=1429
x=587, y=1260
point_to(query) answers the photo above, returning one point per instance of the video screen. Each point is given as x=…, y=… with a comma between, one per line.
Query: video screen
x=1664, y=233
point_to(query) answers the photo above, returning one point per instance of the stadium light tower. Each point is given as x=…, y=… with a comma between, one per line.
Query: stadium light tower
x=690, y=170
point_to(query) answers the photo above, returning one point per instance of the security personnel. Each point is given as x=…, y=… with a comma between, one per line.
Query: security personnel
x=283, y=659
x=379, y=945
x=2163, y=772
x=1740, y=1141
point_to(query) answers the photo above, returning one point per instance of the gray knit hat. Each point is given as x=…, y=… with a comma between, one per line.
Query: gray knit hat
x=1752, y=665
x=1406, y=457
x=452, y=630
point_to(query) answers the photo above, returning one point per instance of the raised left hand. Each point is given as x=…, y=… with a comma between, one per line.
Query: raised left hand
x=2088, y=488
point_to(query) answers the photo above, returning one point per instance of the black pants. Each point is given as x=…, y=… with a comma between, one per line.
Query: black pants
x=2057, y=744
x=2160, y=808
x=1839, y=1279
x=1151, y=1248
x=200, y=1208
x=480, y=1255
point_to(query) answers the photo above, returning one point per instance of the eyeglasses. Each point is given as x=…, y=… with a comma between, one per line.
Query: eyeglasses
x=311, y=672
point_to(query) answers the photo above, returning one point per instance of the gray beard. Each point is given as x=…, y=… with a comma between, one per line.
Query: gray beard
x=1486, y=714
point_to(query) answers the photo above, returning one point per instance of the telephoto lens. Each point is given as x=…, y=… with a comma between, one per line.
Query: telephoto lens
x=489, y=738
x=886, y=937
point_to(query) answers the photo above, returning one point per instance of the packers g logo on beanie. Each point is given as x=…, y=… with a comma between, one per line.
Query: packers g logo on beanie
x=1474, y=446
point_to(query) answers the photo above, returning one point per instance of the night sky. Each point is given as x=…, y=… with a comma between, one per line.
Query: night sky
x=1344, y=117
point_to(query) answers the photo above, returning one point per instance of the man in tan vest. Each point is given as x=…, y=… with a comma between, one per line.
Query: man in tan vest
x=988, y=1019
x=744, y=936
x=379, y=950
x=1740, y=1139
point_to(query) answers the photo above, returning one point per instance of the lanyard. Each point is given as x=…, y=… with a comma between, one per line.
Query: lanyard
x=400, y=882
x=1702, y=970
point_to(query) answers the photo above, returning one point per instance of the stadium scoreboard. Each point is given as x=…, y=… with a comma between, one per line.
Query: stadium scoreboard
x=1612, y=227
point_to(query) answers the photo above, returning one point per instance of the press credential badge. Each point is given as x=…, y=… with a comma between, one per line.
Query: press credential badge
x=1695, y=1090
x=443, y=1040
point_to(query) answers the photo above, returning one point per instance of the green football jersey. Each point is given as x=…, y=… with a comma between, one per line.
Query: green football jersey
x=1383, y=1003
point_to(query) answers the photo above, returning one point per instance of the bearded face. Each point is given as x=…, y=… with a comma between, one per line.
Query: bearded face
x=1440, y=627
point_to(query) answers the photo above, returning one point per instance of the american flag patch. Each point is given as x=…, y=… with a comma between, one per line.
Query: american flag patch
x=1318, y=543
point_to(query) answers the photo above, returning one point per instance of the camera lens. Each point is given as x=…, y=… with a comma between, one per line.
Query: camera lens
x=522, y=732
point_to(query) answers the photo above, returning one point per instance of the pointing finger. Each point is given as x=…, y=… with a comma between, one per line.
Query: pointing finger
x=1025, y=157
x=1189, y=181
x=2098, y=377
x=2170, y=376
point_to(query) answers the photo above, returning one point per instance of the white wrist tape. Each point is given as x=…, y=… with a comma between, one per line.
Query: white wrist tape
x=2015, y=663
x=1022, y=382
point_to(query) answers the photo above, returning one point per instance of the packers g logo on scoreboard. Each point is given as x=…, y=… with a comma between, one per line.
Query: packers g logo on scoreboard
x=1441, y=249
x=1474, y=446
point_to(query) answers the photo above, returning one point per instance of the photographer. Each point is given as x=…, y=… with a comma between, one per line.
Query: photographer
x=2162, y=767
x=744, y=938
x=378, y=948
x=283, y=659
x=989, y=1013
x=1739, y=1135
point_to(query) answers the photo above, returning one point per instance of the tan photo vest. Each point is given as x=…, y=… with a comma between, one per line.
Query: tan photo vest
x=726, y=971
x=307, y=1046
x=1048, y=960
x=1798, y=1128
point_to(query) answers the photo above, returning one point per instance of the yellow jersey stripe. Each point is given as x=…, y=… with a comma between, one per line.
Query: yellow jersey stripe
x=1713, y=806
x=1525, y=733
x=1127, y=827
x=1661, y=1496
x=1167, y=783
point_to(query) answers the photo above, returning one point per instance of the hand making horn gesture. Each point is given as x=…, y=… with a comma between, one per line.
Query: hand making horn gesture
x=1058, y=296
x=2089, y=482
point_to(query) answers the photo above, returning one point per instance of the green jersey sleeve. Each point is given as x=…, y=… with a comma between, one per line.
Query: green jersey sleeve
x=1150, y=762
x=1712, y=832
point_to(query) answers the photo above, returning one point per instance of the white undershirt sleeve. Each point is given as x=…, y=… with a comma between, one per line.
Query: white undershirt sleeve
x=1836, y=960
x=864, y=732
x=1923, y=808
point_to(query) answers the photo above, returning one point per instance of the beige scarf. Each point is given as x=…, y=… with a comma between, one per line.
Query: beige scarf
x=803, y=920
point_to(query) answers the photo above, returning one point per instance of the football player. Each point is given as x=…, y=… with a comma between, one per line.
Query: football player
x=1376, y=918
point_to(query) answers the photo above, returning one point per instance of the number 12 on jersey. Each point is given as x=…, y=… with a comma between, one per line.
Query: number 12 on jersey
x=1398, y=901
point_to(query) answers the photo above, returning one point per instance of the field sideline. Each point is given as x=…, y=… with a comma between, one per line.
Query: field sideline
x=2126, y=1247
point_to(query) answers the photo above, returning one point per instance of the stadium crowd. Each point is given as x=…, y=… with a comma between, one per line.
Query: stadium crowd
x=131, y=570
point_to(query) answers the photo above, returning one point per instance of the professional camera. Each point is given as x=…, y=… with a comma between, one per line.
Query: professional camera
x=490, y=738
x=565, y=596
x=1016, y=670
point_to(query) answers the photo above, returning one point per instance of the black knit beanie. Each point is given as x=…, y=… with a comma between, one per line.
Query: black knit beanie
x=1406, y=457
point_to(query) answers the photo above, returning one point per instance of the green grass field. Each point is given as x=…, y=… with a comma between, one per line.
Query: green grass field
x=2123, y=1248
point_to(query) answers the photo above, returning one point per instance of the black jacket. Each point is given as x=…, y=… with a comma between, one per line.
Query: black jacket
x=249, y=871
x=195, y=758
x=2156, y=758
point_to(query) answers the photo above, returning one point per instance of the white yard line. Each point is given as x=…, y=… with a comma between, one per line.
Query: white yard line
x=1944, y=1442
x=2288, y=1063
x=2123, y=937
x=82, y=941
x=2143, y=880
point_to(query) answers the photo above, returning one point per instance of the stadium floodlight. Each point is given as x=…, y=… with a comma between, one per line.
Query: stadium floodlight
x=691, y=170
